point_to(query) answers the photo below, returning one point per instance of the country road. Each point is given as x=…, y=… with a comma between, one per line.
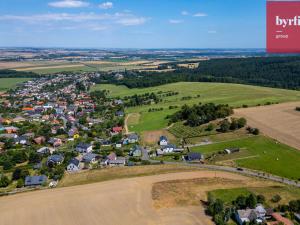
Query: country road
x=242, y=171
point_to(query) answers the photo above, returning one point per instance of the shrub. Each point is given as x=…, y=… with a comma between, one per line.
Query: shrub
x=276, y=198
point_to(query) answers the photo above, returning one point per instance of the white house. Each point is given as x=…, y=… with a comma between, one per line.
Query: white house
x=74, y=165
x=163, y=140
x=84, y=148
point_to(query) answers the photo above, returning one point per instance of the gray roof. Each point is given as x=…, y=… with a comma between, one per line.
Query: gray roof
x=88, y=157
x=83, y=145
x=133, y=136
x=163, y=138
x=74, y=161
x=35, y=180
x=194, y=156
x=56, y=158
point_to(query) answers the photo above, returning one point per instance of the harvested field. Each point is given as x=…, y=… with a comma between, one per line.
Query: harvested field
x=281, y=121
x=125, y=201
x=152, y=137
x=187, y=192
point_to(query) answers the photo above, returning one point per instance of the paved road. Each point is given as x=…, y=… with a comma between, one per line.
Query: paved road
x=243, y=171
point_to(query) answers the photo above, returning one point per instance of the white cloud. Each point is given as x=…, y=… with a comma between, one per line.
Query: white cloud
x=200, y=14
x=69, y=4
x=132, y=21
x=106, y=5
x=184, y=13
x=92, y=21
x=175, y=21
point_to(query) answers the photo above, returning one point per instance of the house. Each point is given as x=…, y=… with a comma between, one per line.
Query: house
x=193, y=156
x=55, y=142
x=120, y=113
x=105, y=143
x=119, y=161
x=84, y=148
x=89, y=159
x=35, y=180
x=116, y=130
x=22, y=140
x=260, y=211
x=132, y=138
x=45, y=151
x=55, y=160
x=231, y=150
x=280, y=220
x=245, y=216
x=163, y=140
x=11, y=130
x=170, y=148
x=74, y=165
x=136, y=151
x=40, y=140
x=250, y=215
x=111, y=156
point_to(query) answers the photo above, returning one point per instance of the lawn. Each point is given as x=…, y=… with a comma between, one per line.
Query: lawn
x=267, y=155
x=235, y=95
x=287, y=194
x=8, y=83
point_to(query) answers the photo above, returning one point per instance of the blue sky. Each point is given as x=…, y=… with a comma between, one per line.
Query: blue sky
x=133, y=23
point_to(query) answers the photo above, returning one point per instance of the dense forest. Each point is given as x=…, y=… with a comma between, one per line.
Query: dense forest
x=278, y=72
x=17, y=74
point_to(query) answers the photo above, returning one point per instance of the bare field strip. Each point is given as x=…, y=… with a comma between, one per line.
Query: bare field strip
x=281, y=121
x=125, y=201
x=50, y=67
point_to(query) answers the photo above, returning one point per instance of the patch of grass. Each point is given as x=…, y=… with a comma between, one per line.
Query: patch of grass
x=287, y=194
x=229, y=195
x=8, y=83
x=235, y=95
x=271, y=156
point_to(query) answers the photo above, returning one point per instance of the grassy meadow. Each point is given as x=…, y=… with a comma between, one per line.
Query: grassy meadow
x=287, y=194
x=8, y=83
x=259, y=153
x=235, y=95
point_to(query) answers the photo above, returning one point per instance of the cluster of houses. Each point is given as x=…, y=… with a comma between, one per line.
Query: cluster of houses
x=260, y=215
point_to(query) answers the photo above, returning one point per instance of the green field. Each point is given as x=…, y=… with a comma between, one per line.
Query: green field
x=266, y=155
x=287, y=194
x=235, y=95
x=7, y=83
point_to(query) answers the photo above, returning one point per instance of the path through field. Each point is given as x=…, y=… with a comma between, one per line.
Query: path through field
x=124, y=201
x=281, y=121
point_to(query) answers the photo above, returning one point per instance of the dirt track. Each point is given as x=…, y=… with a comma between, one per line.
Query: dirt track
x=125, y=201
x=281, y=121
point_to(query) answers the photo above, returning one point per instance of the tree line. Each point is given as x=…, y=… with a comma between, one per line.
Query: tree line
x=277, y=72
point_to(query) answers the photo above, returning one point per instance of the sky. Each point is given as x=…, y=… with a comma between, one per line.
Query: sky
x=133, y=23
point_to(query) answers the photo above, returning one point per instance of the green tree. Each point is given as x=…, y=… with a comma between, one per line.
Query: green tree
x=251, y=201
x=225, y=126
x=4, y=181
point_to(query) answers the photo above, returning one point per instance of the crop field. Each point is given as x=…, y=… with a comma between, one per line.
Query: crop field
x=182, y=131
x=235, y=95
x=44, y=67
x=281, y=122
x=187, y=192
x=261, y=153
x=7, y=83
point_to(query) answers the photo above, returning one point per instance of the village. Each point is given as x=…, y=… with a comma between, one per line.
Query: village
x=53, y=125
